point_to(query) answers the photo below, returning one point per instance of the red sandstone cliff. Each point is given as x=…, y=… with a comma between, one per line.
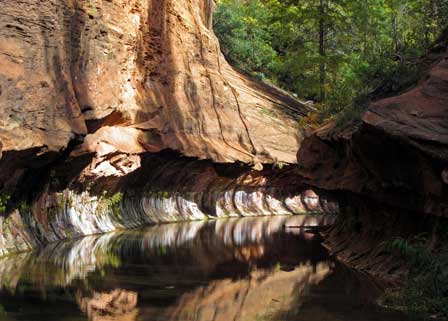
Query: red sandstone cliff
x=127, y=77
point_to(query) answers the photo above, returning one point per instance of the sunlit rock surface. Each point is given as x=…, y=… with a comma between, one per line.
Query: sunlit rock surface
x=127, y=77
x=89, y=89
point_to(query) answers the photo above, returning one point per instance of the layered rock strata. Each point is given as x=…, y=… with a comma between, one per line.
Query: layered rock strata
x=89, y=88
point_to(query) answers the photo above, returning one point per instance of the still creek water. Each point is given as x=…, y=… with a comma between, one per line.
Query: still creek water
x=249, y=269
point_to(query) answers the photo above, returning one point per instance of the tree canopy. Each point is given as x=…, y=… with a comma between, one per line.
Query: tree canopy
x=337, y=53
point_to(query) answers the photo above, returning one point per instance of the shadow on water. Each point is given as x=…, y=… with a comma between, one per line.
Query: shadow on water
x=234, y=269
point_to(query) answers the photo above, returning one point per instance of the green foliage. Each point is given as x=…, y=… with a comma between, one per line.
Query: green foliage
x=162, y=194
x=116, y=199
x=112, y=202
x=266, y=112
x=24, y=207
x=244, y=34
x=279, y=165
x=426, y=295
x=62, y=200
x=370, y=48
x=414, y=250
x=92, y=9
x=4, y=199
x=349, y=114
x=7, y=203
x=89, y=186
x=278, y=267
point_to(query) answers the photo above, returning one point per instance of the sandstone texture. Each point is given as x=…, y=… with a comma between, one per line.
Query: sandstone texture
x=93, y=93
x=127, y=77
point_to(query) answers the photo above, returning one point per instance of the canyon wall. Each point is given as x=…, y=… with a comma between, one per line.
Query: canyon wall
x=89, y=90
x=127, y=77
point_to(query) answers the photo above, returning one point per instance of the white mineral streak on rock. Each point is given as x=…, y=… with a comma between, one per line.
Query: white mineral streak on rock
x=294, y=204
x=189, y=209
x=14, y=237
x=225, y=206
x=76, y=215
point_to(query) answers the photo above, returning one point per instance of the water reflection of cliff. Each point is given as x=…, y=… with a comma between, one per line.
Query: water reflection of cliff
x=205, y=243
x=235, y=269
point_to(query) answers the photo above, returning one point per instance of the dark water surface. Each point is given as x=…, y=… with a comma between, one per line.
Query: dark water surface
x=250, y=269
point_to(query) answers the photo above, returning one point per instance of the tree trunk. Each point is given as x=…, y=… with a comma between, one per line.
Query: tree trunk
x=322, y=34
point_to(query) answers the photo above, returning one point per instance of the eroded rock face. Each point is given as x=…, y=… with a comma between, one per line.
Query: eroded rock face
x=131, y=76
x=164, y=189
